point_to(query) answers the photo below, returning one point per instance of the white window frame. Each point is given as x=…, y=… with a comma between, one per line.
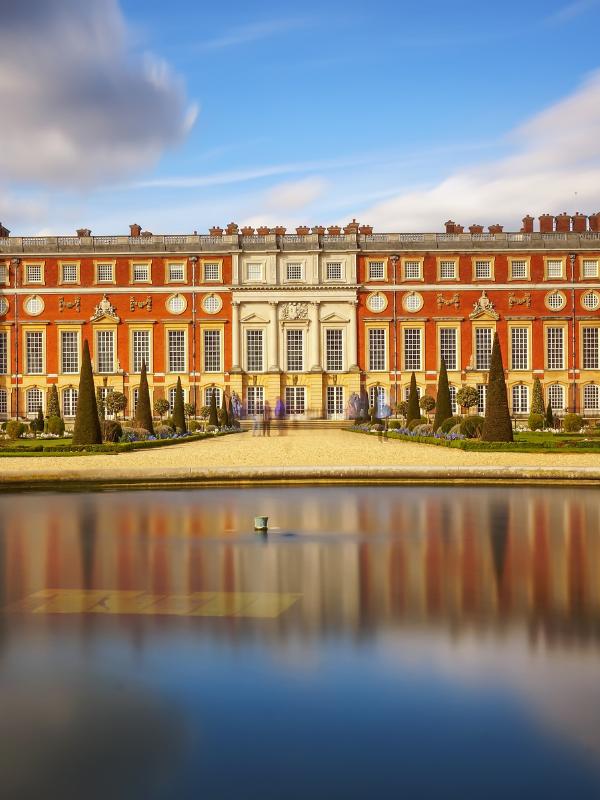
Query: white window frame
x=69, y=272
x=103, y=337
x=4, y=353
x=482, y=358
x=34, y=352
x=448, y=348
x=328, y=267
x=376, y=269
x=32, y=407
x=556, y=406
x=334, y=349
x=258, y=268
x=254, y=350
x=590, y=344
x=69, y=352
x=519, y=347
x=520, y=399
x=177, y=350
x=377, y=356
x=298, y=268
x=69, y=401
x=212, y=350
x=105, y=272
x=140, y=351
x=294, y=349
x=589, y=268
x=555, y=348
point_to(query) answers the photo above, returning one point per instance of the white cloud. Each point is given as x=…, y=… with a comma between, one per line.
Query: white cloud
x=555, y=165
x=295, y=195
x=77, y=108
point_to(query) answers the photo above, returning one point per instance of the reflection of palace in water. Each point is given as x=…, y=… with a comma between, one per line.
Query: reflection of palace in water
x=409, y=557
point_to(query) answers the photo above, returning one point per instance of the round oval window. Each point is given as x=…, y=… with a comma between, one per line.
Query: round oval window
x=176, y=304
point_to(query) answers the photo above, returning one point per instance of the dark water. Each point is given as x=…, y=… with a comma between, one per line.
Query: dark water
x=393, y=642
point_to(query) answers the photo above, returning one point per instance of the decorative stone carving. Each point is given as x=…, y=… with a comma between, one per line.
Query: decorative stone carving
x=74, y=303
x=525, y=300
x=450, y=301
x=294, y=311
x=483, y=306
x=147, y=303
x=105, y=309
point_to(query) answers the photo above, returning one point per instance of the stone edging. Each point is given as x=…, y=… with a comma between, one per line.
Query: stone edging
x=115, y=477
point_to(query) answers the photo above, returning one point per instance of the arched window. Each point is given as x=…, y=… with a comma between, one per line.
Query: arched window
x=556, y=397
x=69, y=402
x=3, y=401
x=172, y=398
x=376, y=398
x=34, y=401
x=407, y=392
x=591, y=397
x=520, y=399
x=208, y=392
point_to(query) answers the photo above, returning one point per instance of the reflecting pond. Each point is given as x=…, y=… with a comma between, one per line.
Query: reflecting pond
x=379, y=642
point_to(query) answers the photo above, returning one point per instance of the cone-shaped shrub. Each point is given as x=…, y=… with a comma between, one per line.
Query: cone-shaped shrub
x=443, y=406
x=53, y=404
x=549, y=419
x=537, y=400
x=87, y=424
x=178, y=412
x=213, y=417
x=143, y=413
x=497, y=426
x=414, y=410
x=225, y=412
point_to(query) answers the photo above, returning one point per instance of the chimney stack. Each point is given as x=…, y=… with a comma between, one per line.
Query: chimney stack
x=4, y=232
x=563, y=222
x=231, y=229
x=495, y=228
x=450, y=226
x=475, y=228
x=595, y=222
x=527, y=224
x=83, y=233
x=546, y=223
x=579, y=222
x=135, y=229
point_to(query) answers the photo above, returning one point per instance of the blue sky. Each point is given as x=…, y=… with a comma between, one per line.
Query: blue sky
x=183, y=115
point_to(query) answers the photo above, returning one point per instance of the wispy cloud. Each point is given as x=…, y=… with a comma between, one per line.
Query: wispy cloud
x=570, y=11
x=252, y=32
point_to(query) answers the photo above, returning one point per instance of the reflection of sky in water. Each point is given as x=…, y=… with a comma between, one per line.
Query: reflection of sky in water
x=446, y=641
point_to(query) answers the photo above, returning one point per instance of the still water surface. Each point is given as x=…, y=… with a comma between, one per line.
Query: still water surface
x=381, y=642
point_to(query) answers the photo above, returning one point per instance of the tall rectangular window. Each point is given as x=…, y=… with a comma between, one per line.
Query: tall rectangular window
x=33, y=273
x=69, y=273
x=176, y=273
x=483, y=347
x=333, y=350
x=105, y=354
x=177, y=350
x=519, y=348
x=520, y=399
x=591, y=397
x=377, y=359
x=3, y=273
x=212, y=350
x=447, y=270
x=3, y=353
x=34, y=343
x=141, y=273
x=590, y=268
x=105, y=273
x=334, y=270
x=591, y=344
x=453, y=404
x=254, y=350
x=3, y=401
x=69, y=352
x=556, y=397
x=554, y=268
x=294, y=349
x=518, y=269
x=294, y=271
x=412, y=270
x=376, y=270
x=141, y=350
x=212, y=271
x=448, y=347
x=255, y=400
x=412, y=349
x=481, y=398
x=483, y=269
x=555, y=348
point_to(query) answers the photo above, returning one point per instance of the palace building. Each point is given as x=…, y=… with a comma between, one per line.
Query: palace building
x=310, y=317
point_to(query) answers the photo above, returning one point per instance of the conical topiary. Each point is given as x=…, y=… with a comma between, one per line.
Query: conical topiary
x=213, y=417
x=87, y=424
x=443, y=405
x=178, y=410
x=497, y=425
x=53, y=404
x=537, y=400
x=414, y=411
x=225, y=411
x=143, y=412
x=549, y=418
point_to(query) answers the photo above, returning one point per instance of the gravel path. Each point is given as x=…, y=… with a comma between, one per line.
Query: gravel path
x=302, y=448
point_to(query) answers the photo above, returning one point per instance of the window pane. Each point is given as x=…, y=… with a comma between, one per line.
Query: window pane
x=483, y=347
x=34, y=273
x=519, y=269
x=377, y=349
x=591, y=397
x=376, y=270
x=106, y=351
x=69, y=348
x=254, y=272
x=520, y=399
x=590, y=268
x=254, y=350
x=176, y=272
x=554, y=268
x=295, y=360
x=412, y=270
x=3, y=353
x=412, y=348
x=69, y=273
x=333, y=350
x=69, y=402
x=255, y=400
x=34, y=341
x=3, y=401
x=105, y=273
x=448, y=347
x=555, y=348
x=519, y=348
x=211, y=272
x=177, y=351
x=212, y=351
x=556, y=397
x=447, y=269
x=334, y=270
x=294, y=272
x=141, y=350
x=483, y=269
x=141, y=272
x=34, y=401
x=481, y=398
x=590, y=348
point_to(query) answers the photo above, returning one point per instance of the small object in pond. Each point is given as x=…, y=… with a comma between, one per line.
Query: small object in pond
x=261, y=523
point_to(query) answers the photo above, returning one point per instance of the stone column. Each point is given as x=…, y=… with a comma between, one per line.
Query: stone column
x=273, y=338
x=352, y=337
x=235, y=336
x=315, y=337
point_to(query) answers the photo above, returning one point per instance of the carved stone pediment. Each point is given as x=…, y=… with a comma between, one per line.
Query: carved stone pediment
x=334, y=318
x=254, y=318
x=483, y=307
x=105, y=309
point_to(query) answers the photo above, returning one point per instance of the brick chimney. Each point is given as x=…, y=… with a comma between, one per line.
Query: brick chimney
x=334, y=230
x=594, y=220
x=4, y=232
x=279, y=230
x=475, y=228
x=135, y=229
x=215, y=231
x=546, y=223
x=579, y=222
x=302, y=230
x=352, y=227
x=231, y=229
x=319, y=230
x=263, y=230
x=247, y=230
x=527, y=224
x=83, y=232
x=563, y=222
x=495, y=228
x=366, y=230
x=450, y=226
